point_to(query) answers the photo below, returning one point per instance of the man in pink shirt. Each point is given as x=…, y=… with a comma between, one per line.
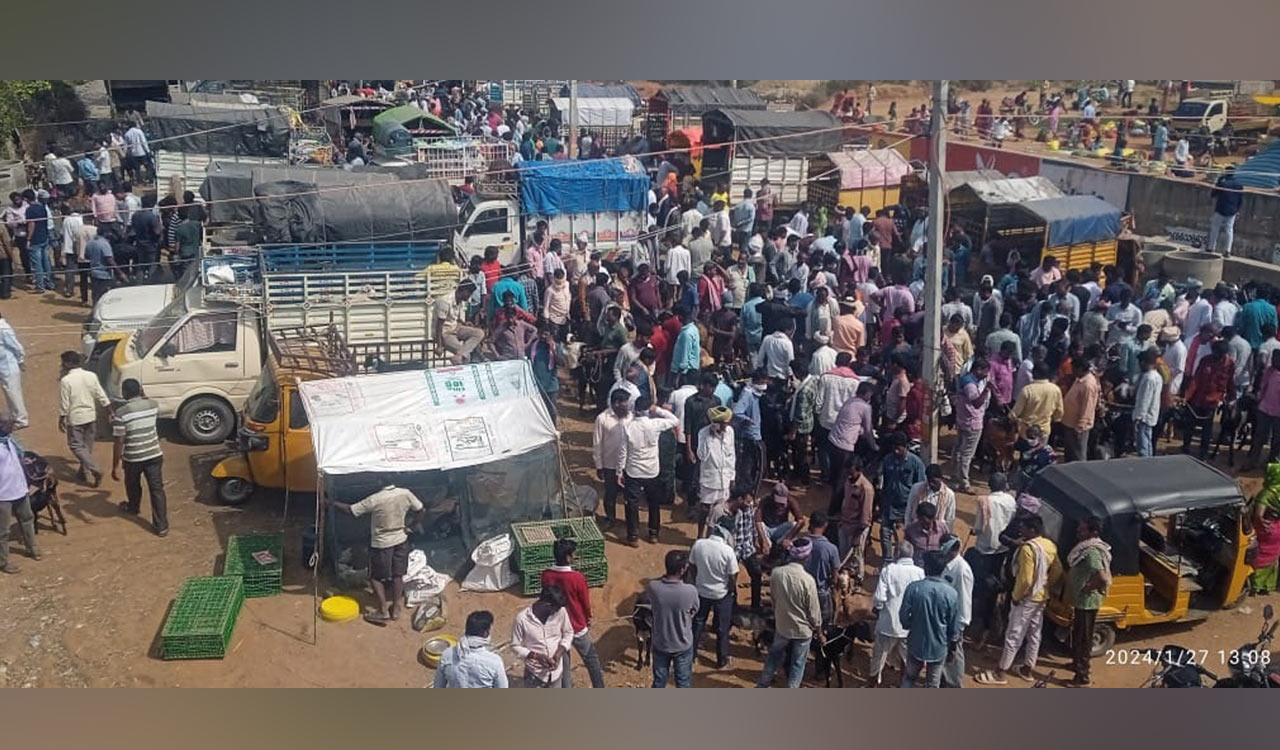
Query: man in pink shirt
x=1002, y=367
x=1047, y=273
x=541, y=635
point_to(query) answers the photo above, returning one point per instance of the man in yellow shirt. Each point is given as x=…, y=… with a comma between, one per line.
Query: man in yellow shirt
x=1036, y=572
x=960, y=341
x=1040, y=402
x=443, y=275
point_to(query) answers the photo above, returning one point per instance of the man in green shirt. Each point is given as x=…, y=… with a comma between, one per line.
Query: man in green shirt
x=1088, y=578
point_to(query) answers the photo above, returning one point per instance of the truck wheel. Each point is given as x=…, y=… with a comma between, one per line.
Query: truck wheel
x=1104, y=637
x=206, y=420
x=234, y=491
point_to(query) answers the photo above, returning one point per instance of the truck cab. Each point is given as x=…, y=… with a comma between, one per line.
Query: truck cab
x=197, y=362
x=1191, y=114
x=489, y=220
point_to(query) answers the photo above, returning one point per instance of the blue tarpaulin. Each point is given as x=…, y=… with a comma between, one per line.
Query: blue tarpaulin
x=1262, y=170
x=1073, y=219
x=551, y=188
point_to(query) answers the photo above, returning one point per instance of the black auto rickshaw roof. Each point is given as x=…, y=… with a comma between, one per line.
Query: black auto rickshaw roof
x=1123, y=493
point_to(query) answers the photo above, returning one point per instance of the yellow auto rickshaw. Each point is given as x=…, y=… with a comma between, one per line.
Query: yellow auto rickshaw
x=1177, y=536
x=273, y=442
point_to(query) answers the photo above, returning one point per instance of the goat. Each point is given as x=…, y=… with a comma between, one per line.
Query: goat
x=642, y=621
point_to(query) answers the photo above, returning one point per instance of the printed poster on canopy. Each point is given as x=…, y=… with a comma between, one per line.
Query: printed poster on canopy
x=470, y=385
x=403, y=443
x=334, y=398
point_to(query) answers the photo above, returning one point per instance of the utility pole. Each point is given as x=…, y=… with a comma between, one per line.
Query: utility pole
x=573, y=119
x=933, y=268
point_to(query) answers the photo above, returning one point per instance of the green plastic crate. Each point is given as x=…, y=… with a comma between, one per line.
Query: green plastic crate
x=203, y=618
x=596, y=572
x=534, y=541
x=259, y=580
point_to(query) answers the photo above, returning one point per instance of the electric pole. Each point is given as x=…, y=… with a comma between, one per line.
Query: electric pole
x=932, y=344
x=573, y=119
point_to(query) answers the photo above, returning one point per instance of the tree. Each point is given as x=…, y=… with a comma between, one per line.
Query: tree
x=14, y=95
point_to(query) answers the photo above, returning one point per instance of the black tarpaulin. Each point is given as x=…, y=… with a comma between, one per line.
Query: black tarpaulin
x=695, y=100
x=368, y=206
x=252, y=131
x=768, y=133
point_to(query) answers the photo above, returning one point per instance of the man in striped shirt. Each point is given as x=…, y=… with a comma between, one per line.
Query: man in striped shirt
x=137, y=446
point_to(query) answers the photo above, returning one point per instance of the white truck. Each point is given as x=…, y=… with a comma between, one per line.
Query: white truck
x=607, y=199
x=200, y=356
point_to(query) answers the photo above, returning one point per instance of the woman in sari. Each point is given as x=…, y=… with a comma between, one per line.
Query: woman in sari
x=1264, y=514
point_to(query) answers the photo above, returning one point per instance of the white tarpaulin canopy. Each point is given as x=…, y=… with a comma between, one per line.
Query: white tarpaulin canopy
x=423, y=420
x=598, y=111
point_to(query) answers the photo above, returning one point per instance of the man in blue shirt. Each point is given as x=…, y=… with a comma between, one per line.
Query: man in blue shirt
x=686, y=355
x=752, y=321
x=930, y=613
x=746, y=425
x=504, y=285
x=102, y=266
x=900, y=471
x=822, y=564
x=37, y=216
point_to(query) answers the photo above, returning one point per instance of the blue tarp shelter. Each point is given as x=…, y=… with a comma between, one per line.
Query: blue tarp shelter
x=1073, y=219
x=550, y=188
x=1262, y=170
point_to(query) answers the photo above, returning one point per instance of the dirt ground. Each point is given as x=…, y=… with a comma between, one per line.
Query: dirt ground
x=90, y=612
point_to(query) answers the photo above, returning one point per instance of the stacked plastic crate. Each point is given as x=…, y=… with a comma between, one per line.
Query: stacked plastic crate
x=534, y=543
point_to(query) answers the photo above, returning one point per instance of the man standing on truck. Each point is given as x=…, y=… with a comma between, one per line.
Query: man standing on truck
x=458, y=339
x=765, y=200
x=1227, y=197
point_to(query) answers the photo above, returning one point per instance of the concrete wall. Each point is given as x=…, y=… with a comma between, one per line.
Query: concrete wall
x=1182, y=209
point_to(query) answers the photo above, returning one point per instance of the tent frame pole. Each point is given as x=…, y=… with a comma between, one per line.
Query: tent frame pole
x=318, y=556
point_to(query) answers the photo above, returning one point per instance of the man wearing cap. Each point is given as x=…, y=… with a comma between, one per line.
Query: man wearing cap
x=716, y=464
x=797, y=616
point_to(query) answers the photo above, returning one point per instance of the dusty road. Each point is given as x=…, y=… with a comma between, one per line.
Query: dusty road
x=90, y=612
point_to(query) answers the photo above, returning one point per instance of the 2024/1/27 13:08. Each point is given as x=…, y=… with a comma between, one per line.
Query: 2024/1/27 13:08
x=1184, y=658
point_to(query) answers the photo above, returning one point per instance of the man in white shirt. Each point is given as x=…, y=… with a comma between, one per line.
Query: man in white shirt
x=986, y=557
x=721, y=227
x=81, y=394
x=637, y=459
x=717, y=464
x=776, y=352
x=890, y=635
x=1224, y=310
x=137, y=153
x=960, y=576
x=690, y=219
x=1146, y=402
x=606, y=439
x=458, y=339
x=716, y=582
x=823, y=358
x=800, y=221
x=1199, y=312
x=835, y=387
x=678, y=259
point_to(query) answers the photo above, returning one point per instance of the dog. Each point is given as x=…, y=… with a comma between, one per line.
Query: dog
x=642, y=621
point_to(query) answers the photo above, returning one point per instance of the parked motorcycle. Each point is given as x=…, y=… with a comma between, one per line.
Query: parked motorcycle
x=1250, y=665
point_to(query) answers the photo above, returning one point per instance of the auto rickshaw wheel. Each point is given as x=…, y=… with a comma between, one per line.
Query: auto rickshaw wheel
x=234, y=491
x=1104, y=637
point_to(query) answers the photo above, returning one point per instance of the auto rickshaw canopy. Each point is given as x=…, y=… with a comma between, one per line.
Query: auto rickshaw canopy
x=1124, y=493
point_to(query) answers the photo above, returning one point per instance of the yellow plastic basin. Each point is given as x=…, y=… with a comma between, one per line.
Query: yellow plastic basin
x=339, y=609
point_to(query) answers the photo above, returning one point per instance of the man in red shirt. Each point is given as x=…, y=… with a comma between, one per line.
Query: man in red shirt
x=1213, y=383
x=578, y=605
x=491, y=267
